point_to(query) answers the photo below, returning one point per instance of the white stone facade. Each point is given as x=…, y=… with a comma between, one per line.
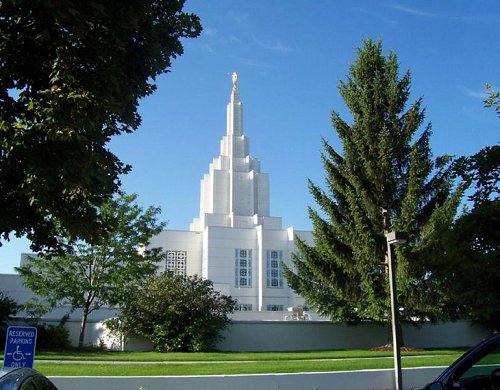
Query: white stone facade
x=235, y=242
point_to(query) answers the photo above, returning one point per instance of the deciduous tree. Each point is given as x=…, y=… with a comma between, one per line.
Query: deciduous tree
x=176, y=313
x=493, y=99
x=469, y=268
x=71, y=76
x=8, y=308
x=104, y=273
x=470, y=265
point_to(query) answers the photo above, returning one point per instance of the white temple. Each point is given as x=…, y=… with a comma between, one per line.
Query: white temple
x=235, y=242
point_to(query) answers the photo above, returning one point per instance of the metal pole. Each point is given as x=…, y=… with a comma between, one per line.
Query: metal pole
x=398, y=378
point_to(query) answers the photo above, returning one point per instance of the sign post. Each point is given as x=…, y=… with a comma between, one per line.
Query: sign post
x=20, y=343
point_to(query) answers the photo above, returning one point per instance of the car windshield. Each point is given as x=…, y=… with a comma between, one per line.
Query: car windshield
x=484, y=373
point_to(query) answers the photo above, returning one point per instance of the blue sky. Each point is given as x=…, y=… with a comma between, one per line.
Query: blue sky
x=290, y=56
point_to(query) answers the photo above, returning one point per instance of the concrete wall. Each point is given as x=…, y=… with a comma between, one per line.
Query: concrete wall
x=95, y=333
x=317, y=335
x=300, y=336
x=352, y=380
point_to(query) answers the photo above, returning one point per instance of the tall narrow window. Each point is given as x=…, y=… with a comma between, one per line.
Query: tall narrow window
x=274, y=277
x=243, y=268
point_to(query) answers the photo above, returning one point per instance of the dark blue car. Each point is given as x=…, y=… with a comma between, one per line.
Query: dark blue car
x=477, y=369
x=12, y=378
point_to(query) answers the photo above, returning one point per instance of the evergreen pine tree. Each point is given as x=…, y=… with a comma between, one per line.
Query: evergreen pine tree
x=384, y=180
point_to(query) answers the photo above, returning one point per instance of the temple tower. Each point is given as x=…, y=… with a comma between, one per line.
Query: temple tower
x=234, y=192
x=234, y=242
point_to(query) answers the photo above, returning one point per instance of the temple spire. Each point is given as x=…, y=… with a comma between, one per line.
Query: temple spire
x=234, y=76
x=235, y=110
x=234, y=192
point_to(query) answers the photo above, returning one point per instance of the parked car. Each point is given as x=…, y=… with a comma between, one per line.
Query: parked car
x=477, y=369
x=14, y=378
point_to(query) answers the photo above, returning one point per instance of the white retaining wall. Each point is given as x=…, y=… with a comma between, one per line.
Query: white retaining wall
x=318, y=335
x=95, y=332
x=301, y=336
x=352, y=380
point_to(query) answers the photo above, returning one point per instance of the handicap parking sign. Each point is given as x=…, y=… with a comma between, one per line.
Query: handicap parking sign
x=20, y=343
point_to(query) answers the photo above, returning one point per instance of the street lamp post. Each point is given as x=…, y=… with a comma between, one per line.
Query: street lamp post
x=395, y=238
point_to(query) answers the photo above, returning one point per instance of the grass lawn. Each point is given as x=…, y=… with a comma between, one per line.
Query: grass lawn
x=226, y=363
x=229, y=356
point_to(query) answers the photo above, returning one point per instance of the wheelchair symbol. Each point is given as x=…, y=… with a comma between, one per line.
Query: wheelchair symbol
x=18, y=355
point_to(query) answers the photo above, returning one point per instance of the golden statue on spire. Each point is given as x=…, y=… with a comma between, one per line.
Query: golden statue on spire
x=234, y=76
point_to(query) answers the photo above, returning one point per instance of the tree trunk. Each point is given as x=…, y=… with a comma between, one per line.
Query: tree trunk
x=401, y=335
x=83, y=324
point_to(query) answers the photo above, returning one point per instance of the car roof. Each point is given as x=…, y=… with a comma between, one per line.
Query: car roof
x=17, y=372
x=5, y=370
x=10, y=377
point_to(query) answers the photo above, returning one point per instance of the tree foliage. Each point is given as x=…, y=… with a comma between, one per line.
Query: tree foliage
x=8, y=308
x=104, y=273
x=385, y=180
x=481, y=173
x=51, y=336
x=470, y=267
x=176, y=313
x=71, y=76
x=493, y=99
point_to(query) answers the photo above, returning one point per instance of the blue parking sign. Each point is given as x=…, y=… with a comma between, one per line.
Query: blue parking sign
x=20, y=343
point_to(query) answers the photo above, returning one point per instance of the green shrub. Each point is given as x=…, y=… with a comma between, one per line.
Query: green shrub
x=176, y=313
x=8, y=308
x=52, y=336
